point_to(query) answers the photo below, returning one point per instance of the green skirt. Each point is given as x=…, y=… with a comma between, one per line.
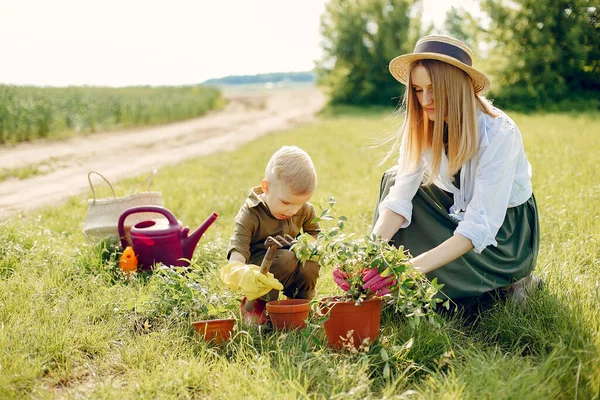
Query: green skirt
x=472, y=274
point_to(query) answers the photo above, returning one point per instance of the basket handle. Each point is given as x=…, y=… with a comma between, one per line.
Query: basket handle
x=92, y=185
x=148, y=182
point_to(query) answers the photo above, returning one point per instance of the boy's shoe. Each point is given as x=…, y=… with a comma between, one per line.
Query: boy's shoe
x=258, y=315
x=524, y=287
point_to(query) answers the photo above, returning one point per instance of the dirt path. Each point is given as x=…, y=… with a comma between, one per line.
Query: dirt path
x=67, y=163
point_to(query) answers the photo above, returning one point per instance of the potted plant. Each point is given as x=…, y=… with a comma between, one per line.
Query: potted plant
x=218, y=330
x=288, y=314
x=354, y=316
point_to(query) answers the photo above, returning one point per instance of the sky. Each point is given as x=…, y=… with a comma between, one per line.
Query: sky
x=168, y=42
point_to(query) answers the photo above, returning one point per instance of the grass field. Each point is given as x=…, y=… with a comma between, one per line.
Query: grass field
x=28, y=113
x=71, y=327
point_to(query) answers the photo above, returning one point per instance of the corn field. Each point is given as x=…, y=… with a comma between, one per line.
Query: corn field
x=28, y=113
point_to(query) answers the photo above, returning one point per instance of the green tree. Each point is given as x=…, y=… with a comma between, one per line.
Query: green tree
x=553, y=51
x=465, y=26
x=360, y=39
x=462, y=25
x=472, y=30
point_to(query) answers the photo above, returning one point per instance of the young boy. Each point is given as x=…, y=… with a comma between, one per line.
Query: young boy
x=279, y=206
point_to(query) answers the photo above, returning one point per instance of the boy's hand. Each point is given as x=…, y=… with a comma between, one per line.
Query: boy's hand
x=249, y=279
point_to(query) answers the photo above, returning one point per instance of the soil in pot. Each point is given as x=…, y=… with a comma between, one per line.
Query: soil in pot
x=288, y=314
x=350, y=325
x=217, y=330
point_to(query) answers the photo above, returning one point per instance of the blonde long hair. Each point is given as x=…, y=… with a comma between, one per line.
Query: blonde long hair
x=456, y=103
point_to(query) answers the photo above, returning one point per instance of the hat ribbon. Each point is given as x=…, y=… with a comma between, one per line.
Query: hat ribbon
x=444, y=48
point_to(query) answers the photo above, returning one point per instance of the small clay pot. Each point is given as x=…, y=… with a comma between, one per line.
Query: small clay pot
x=350, y=324
x=288, y=314
x=217, y=330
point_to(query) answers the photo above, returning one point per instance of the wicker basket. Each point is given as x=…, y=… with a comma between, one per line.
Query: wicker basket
x=103, y=215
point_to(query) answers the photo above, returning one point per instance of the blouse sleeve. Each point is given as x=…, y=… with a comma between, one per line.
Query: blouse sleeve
x=494, y=178
x=401, y=194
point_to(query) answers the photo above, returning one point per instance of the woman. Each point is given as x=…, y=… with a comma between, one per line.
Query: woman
x=460, y=199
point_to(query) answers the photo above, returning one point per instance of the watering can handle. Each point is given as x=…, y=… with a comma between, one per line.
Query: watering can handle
x=133, y=210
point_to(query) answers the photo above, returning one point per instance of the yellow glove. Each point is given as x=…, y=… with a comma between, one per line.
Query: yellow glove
x=247, y=277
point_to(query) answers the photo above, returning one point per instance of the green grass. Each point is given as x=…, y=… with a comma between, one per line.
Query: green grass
x=71, y=327
x=31, y=170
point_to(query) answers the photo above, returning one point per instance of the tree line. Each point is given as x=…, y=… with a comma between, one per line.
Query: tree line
x=274, y=77
x=540, y=54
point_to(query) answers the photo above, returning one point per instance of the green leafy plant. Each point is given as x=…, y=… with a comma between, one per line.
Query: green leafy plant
x=412, y=293
x=174, y=291
x=178, y=292
x=221, y=311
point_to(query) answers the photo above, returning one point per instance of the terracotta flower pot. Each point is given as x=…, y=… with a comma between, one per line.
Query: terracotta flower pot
x=288, y=314
x=217, y=330
x=348, y=324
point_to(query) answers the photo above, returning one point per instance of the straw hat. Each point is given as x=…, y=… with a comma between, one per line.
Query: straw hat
x=442, y=48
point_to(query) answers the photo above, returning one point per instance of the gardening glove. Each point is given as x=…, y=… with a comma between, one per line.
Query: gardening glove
x=248, y=278
x=376, y=283
x=341, y=279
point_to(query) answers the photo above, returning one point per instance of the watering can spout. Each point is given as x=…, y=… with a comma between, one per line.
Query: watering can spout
x=189, y=243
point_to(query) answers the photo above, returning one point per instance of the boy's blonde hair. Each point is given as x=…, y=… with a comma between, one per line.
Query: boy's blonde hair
x=292, y=167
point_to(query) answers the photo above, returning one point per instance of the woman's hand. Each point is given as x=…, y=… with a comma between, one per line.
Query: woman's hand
x=448, y=251
x=341, y=279
x=376, y=283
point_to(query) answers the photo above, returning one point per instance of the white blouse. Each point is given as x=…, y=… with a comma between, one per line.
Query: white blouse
x=496, y=178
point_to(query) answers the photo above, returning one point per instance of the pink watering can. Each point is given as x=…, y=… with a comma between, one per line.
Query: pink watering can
x=161, y=240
